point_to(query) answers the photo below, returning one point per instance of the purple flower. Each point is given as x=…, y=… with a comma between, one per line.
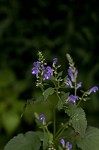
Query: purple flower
x=36, y=64
x=47, y=76
x=79, y=85
x=62, y=141
x=48, y=73
x=72, y=98
x=69, y=83
x=72, y=74
x=35, y=70
x=68, y=145
x=93, y=89
x=42, y=68
x=76, y=72
x=42, y=118
x=49, y=70
x=55, y=61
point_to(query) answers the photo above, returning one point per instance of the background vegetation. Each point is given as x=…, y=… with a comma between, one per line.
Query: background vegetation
x=55, y=28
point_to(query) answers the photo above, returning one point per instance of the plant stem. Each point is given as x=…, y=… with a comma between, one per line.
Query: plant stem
x=60, y=131
x=81, y=99
x=54, y=122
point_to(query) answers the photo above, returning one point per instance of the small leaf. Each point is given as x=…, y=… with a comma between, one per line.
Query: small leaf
x=90, y=140
x=64, y=96
x=59, y=105
x=48, y=92
x=28, y=141
x=60, y=73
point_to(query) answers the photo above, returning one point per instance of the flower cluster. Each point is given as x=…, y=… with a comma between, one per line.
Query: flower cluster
x=41, y=70
x=71, y=81
x=72, y=73
x=66, y=145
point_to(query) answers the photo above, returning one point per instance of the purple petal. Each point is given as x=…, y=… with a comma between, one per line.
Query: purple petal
x=47, y=76
x=71, y=74
x=49, y=70
x=93, y=89
x=79, y=85
x=35, y=70
x=69, y=83
x=68, y=145
x=36, y=64
x=42, y=117
x=42, y=68
x=62, y=141
x=55, y=60
x=72, y=98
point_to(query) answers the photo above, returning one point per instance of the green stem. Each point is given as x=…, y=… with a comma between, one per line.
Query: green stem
x=58, y=96
x=60, y=131
x=54, y=122
x=46, y=129
x=81, y=99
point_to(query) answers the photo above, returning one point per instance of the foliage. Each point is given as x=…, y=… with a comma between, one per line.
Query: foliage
x=72, y=132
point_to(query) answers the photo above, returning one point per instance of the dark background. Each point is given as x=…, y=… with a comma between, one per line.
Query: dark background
x=55, y=28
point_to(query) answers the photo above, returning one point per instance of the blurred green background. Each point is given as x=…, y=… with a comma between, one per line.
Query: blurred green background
x=55, y=28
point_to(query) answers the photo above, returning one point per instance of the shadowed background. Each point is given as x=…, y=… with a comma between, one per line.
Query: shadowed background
x=55, y=28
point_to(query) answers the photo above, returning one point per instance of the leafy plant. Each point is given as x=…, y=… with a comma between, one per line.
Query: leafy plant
x=72, y=132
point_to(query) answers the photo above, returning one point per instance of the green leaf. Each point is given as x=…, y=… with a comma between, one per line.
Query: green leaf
x=48, y=92
x=28, y=141
x=90, y=140
x=78, y=120
x=60, y=73
x=64, y=96
x=40, y=134
x=59, y=105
